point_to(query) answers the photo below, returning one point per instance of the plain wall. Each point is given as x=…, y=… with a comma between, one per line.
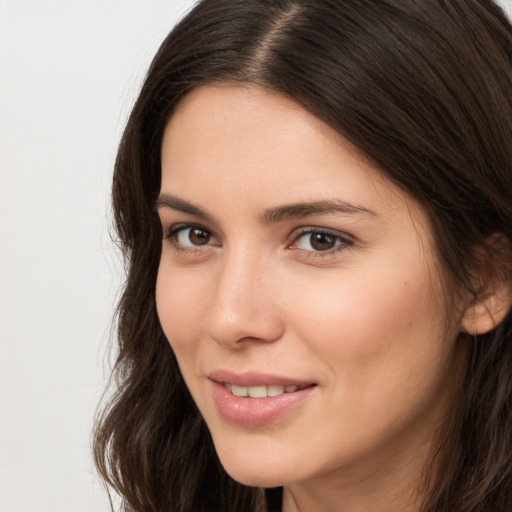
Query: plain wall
x=69, y=72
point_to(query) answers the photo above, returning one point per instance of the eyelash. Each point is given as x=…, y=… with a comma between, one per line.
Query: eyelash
x=343, y=242
x=172, y=233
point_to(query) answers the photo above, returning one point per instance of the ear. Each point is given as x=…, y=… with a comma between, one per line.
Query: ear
x=492, y=295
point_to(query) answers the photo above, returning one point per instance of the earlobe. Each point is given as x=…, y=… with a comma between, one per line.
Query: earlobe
x=485, y=313
x=493, y=295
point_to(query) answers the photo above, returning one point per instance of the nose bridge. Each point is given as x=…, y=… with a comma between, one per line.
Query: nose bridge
x=243, y=305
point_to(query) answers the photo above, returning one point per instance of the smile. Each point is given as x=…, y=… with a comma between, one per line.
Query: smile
x=258, y=404
x=261, y=391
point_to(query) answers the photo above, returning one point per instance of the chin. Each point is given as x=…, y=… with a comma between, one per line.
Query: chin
x=264, y=472
x=252, y=478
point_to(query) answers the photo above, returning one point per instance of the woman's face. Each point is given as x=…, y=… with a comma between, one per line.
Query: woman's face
x=293, y=272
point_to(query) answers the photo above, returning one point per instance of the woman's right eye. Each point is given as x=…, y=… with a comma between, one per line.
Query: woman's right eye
x=187, y=237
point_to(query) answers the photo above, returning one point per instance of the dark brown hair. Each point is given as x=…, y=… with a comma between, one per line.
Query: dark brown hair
x=424, y=89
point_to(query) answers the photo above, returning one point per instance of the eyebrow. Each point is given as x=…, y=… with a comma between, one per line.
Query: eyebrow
x=271, y=215
x=301, y=210
x=175, y=203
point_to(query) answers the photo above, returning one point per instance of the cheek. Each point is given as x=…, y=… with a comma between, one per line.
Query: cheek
x=371, y=325
x=179, y=305
x=388, y=360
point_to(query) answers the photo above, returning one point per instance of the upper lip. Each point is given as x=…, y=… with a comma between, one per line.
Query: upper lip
x=249, y=378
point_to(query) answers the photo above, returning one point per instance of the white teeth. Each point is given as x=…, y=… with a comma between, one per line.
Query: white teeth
x=239, y=390
x=259, y=391
x=275, y=390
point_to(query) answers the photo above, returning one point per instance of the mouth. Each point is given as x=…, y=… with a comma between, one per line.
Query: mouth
x=262, y=391
x=254, y=399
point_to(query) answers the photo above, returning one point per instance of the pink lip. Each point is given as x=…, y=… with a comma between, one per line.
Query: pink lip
x=256, y=379
x=254, y=412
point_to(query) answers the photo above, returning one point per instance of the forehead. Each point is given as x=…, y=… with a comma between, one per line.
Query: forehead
x=246, y=135
x=252, y=146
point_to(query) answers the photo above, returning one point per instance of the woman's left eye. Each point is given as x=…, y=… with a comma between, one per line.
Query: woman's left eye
x=319, y=241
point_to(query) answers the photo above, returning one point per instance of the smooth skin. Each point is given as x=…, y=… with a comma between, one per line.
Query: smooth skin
x=345, y=293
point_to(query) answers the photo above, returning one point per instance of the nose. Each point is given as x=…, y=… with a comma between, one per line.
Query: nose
x=244, y=306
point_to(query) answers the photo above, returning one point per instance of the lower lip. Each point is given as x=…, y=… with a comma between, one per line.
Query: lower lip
x=254, y=412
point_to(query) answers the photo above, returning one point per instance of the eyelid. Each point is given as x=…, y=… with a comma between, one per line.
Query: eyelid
x=171, y=232
x=172, y=229
x=347, y=240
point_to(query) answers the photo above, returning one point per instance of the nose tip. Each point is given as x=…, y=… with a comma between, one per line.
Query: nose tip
x=243, y=308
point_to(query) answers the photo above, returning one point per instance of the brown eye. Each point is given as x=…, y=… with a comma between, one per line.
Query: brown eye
x=192, y=236
x=199, y=236
x=322, y=241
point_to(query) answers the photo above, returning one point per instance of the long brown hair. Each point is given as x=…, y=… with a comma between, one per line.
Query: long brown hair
x=424, y=89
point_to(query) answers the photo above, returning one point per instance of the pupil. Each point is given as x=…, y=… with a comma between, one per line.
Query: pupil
x=199, y=236
x=322, y=242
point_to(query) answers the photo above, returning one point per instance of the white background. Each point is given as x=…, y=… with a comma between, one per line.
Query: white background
x=69, y=72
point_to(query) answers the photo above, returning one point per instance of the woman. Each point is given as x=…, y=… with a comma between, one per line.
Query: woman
x=315, y=204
